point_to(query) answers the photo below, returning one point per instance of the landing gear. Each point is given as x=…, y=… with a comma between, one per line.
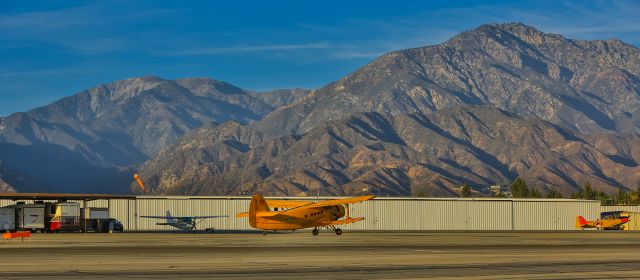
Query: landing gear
x=315, y=231
x=335, y=229
x=264, y=232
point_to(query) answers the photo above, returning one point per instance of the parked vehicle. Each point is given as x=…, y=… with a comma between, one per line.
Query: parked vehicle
x=115, y=225
x=66, y=217
x=97, y=219
x=7, y=219
x=30, y=217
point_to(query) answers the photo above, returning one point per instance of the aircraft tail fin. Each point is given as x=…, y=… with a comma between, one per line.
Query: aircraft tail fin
x=258, y=204
x=580, y=221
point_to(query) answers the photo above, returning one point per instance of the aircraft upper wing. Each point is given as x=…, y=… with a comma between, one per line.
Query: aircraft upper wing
x=287, y=203
x=205, y=217
x=341, y=201
x=179, y=218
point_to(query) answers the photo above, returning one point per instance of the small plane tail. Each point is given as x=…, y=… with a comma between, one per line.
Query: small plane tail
x=580, y=221
x=258, y=204
x=168, y=216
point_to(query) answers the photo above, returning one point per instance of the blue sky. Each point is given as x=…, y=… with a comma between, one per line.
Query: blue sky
x=52, y=49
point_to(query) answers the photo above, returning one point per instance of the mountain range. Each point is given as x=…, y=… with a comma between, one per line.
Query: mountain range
x=91, y=141
x=488, y=105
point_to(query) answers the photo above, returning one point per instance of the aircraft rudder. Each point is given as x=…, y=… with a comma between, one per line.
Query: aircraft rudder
x=580, y=221
x=258, y=204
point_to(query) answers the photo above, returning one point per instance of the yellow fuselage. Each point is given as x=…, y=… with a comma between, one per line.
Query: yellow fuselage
x=298, y=219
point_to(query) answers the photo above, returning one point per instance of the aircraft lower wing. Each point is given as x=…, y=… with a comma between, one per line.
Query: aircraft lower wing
x=266, y=215
x=347, y=221
x=276, y=216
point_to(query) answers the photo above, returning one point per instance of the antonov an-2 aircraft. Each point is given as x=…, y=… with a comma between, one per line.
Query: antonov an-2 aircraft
x=184, y=223
x=300, y=214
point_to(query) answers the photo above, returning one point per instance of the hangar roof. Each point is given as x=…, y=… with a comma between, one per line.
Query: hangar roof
x=58, y=196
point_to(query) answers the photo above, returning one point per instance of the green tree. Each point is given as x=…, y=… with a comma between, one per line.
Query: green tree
x=421, y=193
x=519, y=188
x=623, y=197
x=604, y=198
x=465, y=191
x=554, y=194
x=588, y=192
x=591, y=194
x=500, y=194
x=535, y=193
x=634, y=197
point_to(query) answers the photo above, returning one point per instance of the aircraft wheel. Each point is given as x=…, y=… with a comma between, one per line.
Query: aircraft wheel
x=264, y=233
x=315, y=231
x=338, y=231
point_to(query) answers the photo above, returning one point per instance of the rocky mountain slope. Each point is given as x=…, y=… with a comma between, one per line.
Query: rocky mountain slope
x=10, y=178
x=589, y=86
x=486, y=106
x=75, y=143
x=400, y=155
x=490, y=104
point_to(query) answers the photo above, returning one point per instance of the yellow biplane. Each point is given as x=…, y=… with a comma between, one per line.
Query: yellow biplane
x=294, y=214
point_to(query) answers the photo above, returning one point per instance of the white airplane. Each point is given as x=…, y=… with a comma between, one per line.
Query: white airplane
x=184, y=223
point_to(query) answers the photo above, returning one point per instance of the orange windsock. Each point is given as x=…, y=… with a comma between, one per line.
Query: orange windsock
x=137, y=177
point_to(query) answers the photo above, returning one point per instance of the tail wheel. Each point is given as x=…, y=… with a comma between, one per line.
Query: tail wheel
x=315, y=231
x=338, y=231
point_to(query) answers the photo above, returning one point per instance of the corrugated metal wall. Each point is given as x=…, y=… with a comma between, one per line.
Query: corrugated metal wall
x=547, y=215
x=628, y=208
x=381, y=213
x=409, y=214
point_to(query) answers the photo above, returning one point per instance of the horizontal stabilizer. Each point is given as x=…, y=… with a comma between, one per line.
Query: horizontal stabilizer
x=242, y=215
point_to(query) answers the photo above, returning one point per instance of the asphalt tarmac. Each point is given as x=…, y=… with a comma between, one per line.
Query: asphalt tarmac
x=433, y=255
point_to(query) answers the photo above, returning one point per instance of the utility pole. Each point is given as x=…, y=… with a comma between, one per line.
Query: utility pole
x=241, y=184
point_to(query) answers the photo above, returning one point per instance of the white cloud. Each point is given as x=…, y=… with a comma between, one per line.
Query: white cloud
x=80, y=28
